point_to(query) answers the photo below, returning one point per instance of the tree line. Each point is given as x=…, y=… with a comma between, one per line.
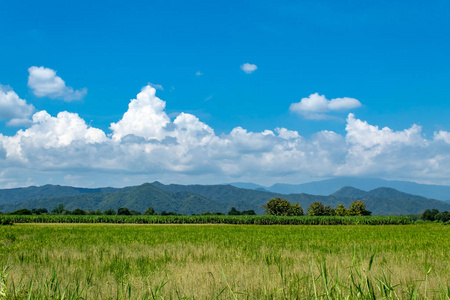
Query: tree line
x=282, y=207
x=435, y=215
x=121, y=211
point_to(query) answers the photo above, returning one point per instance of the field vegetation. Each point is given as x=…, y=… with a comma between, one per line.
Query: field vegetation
x=128, y=261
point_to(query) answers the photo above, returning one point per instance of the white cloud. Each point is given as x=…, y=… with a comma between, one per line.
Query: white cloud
x=14, y=109
x=316, y=106
x=146, y=144
x=156, y=86
x=45, y=83
x=248, y=68
x=442, y=136
x=145, y=117
x=198, y=73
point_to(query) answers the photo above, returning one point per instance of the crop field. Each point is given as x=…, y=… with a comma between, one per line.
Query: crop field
x=198, y=261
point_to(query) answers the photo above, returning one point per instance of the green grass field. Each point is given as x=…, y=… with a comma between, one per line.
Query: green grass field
x=126, y=261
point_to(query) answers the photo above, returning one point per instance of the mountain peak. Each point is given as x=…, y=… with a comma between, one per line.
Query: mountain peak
x=349, y=192
x=387, y=192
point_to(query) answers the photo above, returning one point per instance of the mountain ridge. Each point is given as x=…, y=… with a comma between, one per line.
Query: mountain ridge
x=329, y=186
x=194, y=199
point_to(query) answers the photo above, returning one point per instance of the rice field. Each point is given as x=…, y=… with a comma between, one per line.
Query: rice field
x=221, y=261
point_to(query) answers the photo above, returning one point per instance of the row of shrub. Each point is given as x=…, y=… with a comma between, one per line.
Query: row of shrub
x=211, y=219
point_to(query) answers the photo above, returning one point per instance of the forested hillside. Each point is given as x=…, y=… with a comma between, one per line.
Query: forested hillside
x=195, y=199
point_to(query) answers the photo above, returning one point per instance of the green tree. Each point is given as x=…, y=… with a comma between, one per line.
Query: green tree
x=95, y=212
x=59, y=209
x=340, y=210
x=233, y=212
x=109, y=212
x=248, y=212
x=316, y=209
x=328, y=211
x=150, y=212
x=282, y=207
x=123, y=211
x=358, y=208
x=79, y=212
x=443, y=216
x=38, y=211
x=21, y=212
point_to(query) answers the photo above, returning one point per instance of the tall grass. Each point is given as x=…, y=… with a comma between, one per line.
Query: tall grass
x=108, y=261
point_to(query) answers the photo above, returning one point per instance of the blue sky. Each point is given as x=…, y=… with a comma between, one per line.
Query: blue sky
x=389, y=57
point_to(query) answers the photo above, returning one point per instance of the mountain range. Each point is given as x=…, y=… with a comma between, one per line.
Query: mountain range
x=328, y=186
x=195, y=199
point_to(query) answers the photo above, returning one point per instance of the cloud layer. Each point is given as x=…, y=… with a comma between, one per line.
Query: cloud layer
x=316, y=106
x=44, y=83
x=146, y=144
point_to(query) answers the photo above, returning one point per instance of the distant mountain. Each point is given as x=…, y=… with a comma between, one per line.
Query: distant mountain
x=247, y=185
x=17, y=195
x=138, y=198
x=380, y=201
x=349, y=192
x=188, y=199
x=390, y=201
x=326, y=187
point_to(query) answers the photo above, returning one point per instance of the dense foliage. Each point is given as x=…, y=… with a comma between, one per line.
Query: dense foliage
x=282, y=207
x=435, y=215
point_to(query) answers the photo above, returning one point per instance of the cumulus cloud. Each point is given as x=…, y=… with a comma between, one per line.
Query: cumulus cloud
x=45, y=83
x=248, y=68
x=316, y=106
x=14, y=109
x=442, y=136
x=198, y=73
x=145, y=117
x=146, y=144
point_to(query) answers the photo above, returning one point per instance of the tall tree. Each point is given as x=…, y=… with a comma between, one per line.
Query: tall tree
x=358, y=208
x=282, y=207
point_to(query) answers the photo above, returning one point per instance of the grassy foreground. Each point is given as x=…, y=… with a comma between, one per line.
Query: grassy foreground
x=107, y=261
